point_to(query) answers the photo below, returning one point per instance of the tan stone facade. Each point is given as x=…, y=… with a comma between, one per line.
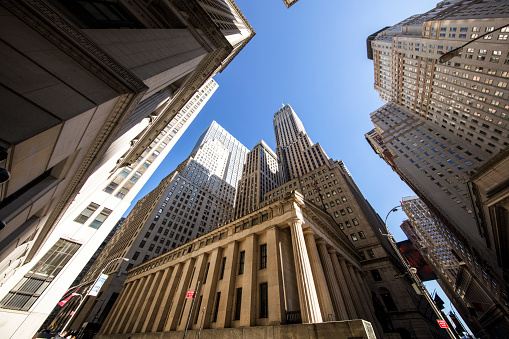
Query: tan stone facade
x=267, y=268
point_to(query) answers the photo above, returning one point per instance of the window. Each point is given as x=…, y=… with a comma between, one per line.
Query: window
x=83, y=217
x=206, y=273
x=35, y=282
x=110, y=188
x=361, y=235
x=135, y=177
x=146, y=164
x=125, y=172
x=376, y=275
x=121, y=193
x=155, y=154
x=355, y=222
x=354, y=237
x=387, y=299
x=103, y=14
x=100, y=218
x=238, y=303
x=216, y=307
x=263, y=256
x=242, y=257
x=264, y=301
x=370, y=254
x=223, y=265
x=136, y=255
x=362, y=255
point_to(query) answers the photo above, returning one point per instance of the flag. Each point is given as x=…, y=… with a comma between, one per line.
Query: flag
x=455, y=320
x=62, y=302
x=439, y=302
x=314, y=185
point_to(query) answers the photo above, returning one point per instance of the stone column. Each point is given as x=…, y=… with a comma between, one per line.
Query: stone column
x=148, y=302
x=112, y=318
x=139, y=310
x=166, y=302
x=179, y=298
x=209, y=288
x=343, y=285
x=156, y=303
x=360, y=292
x=224, y=314
x=352, y=288
x=309, y=307
x=196, y=274
x=337, y=298
x=132, y=304
x=248, y=310
x=369, y=302
x=324, y=297
x=275, y=279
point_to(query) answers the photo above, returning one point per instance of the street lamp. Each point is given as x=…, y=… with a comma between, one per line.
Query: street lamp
x=451, y=54
x=412, y=272
x=83, y=298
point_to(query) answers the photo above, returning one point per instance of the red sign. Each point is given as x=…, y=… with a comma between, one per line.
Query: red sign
x=190, y=294
x=442, y=324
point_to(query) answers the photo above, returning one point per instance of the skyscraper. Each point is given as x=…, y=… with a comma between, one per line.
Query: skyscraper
x=329, y=185
x=85, y=80
x=192, y=200
x=296, y=152
x=103, y=199
x=260, y=174
x=312, y=252
x=442, y=122
x=456, y=277
x=237, y=151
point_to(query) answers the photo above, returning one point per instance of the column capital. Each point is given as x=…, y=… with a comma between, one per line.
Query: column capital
x=276, y=227
x=320, y=241
x=307, y=231
x=294, y=220
x=331, y=250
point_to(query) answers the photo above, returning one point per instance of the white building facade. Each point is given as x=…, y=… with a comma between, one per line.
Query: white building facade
x=28, y=293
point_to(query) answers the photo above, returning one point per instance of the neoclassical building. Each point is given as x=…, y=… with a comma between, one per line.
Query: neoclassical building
x=285, y=263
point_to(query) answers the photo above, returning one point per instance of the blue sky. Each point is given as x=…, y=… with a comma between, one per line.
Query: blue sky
x=313, y=57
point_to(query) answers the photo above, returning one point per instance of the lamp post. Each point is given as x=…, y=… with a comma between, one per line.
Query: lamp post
x=412, y=272
x=451, y=54
x=83, y=298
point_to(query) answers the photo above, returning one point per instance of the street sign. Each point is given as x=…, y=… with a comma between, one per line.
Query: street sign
x=98, y=284
x=442, y=324
x=190, y=294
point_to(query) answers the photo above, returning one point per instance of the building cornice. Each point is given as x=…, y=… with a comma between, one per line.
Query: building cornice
x=53, y=26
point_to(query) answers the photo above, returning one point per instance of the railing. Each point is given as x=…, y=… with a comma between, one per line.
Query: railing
x=293, y=317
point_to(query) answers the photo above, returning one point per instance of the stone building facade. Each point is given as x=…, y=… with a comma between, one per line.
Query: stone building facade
x=260, y=174
x=80, y=76
x=443, y=122
x=284, y=263
x=190, y=201
x=471, y=296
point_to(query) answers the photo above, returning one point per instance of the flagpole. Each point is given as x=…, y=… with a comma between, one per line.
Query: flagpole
x=90, y=289
x=191, y=311
x=201, y=323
